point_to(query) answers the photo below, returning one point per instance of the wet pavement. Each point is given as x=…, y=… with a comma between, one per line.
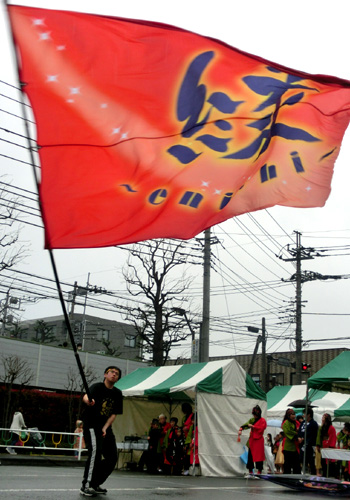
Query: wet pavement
x=19, y=482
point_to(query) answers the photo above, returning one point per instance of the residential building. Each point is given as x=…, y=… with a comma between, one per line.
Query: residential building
x=91, y=334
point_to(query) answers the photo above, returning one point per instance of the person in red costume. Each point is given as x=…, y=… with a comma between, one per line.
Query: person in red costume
x=256, y=453
x=327, y=438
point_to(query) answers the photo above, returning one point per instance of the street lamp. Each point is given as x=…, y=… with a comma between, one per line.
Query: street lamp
x=194, y=349
x=262, y=339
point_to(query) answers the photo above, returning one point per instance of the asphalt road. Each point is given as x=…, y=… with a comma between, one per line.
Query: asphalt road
x=62, y=483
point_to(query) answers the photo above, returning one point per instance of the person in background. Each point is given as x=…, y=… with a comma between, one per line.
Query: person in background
x=168, y=445
x=192, y=443
x=143, y=459
x=78, y=430
x=98, y=416
x=299, y=418
x=291, y=444
x=269, y=457
x=268, y=441
x=311, y=436
x=278, y=449
x=326, y=438
x=256, y=453
x=16, y=426
x=153, y=443
x=164, y=427
x=342, y=467
x=187, y=451
x=178, y=452
x=188, y=414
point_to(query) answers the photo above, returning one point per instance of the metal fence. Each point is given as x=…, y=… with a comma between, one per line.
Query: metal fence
x=43, y=441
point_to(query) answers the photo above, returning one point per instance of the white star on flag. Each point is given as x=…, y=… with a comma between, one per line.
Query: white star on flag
x=38, y=22
x=52, y=78
x=45, y=36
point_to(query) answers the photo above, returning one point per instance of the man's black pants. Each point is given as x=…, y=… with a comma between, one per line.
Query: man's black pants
x=291, y=462
x=97, y=469
x=309, y=460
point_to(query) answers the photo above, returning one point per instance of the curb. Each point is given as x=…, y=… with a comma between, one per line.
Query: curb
x=45, y=461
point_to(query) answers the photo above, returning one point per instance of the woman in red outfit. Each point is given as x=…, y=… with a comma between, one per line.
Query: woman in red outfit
x=327, y=438
x=257, y=426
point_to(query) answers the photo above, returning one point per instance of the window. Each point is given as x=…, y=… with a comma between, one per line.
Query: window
x=102, y=334
x=130, y=341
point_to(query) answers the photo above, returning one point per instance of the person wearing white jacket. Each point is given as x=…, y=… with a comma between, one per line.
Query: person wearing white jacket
x=16, y=426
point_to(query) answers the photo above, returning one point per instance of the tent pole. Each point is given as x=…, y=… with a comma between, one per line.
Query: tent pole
x=306, y=409
x=194, y=434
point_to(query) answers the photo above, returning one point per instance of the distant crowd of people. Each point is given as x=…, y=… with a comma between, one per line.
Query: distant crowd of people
x=318, y=437
x=289, y=446
x=171, y=445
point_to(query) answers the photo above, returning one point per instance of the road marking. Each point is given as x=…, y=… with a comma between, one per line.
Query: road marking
x=62, y=490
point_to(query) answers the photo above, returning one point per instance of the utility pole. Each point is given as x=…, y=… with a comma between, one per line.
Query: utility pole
x=81, y=291
x=204, y=331
x=264, y=379
x=298, y=253
x=74, y=295
x=8, y=307
x=298, y=326
x=84, y=315
x=4, y=313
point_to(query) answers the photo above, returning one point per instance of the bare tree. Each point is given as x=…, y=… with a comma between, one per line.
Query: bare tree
x=15, y=370
x=161, y=292
x=11, y=250
x=110, y=350
x=17, y=331
x=43, y=332
x=74, y=381
x=75, y=384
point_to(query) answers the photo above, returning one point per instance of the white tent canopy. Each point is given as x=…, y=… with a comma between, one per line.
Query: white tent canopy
x=222, y=394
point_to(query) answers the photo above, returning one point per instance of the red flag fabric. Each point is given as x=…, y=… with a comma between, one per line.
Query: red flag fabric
x=147, y=131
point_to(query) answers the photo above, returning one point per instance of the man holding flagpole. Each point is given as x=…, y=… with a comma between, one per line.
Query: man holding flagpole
x=99, y=415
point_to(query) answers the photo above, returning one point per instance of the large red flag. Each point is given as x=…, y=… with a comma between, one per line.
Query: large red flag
x=146, y=130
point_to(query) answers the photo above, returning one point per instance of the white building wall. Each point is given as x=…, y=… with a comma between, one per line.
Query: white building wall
x=51, y=365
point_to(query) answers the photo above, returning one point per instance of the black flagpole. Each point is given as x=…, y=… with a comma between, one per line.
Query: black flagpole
x=68, y=324
x=52, y=259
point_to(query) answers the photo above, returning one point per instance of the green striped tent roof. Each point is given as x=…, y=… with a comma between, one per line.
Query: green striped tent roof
x=335, y=375
x=337, y=404
x=219, y=377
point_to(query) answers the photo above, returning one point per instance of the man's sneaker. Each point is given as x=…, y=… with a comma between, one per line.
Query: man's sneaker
x=88, y=491
x=101, y=491
x=11, y=451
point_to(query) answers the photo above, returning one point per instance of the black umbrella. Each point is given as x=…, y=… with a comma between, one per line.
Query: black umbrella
x=301, y=403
